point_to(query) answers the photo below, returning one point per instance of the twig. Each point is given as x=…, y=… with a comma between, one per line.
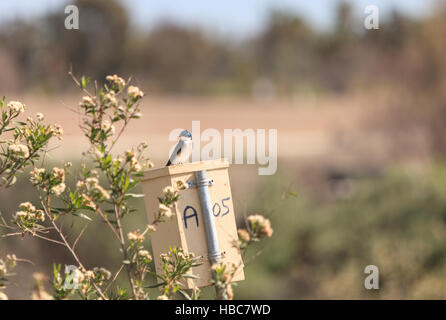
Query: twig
x=114, y=278
x=98, y=210
x=11, y=234
x=70, y=73
x=80, y=234
x=34, y=235
x=25, y=260
x=5, y=224
x=124, y=250
x=61, y=235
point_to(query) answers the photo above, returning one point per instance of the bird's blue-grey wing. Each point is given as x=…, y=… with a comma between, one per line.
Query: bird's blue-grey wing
x=176, y=152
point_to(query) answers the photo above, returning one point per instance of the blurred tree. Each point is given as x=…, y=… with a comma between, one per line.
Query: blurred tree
x=285, y=50
x=44, y=49
x=18, y=41
x=180, y=59
x=98, y=47
x=288, y=54
x=345, y=21
x=338, y=51
x=10, y=75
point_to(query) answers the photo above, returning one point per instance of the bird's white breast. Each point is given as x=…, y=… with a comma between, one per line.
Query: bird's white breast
x=186, y=150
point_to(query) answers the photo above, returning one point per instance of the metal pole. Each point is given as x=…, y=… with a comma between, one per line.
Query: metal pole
x=208, y=217
x=209, y=225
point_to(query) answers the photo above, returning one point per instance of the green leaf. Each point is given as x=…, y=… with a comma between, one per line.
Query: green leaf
x=156, y=285
x=185, y=294
x=84, y=216
x=84, y=82
x=135, y=195
x=191, y=276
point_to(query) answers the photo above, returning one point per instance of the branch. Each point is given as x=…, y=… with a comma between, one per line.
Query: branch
x=124, y=251
x=61, y=235
x=114, y=278
x=80, y=234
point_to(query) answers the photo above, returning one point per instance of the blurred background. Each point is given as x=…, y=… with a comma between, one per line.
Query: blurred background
x=360, y=116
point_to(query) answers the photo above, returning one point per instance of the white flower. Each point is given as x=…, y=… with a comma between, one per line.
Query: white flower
x=3, y=269
x=87, y=101
x=92, y=181
x=104, y=272
x=40, y=215
x=106, y=126
x=135, y=236
x=80, y=276
x=89, y=274
x=116, y=80
x=148, y=164
x=57, y=131
x=261, y=224
x=165, y=211
x=103, y=192
x=168, y=189
x=94, y=173
x=136, y=166
x=59, y=174
x=11, y=257
x=118, y=161
x=20, y=214
x=58, y=189
x=151, y=228
x=36, y=175
x=244, y=235
x=145, y=254
x=27, y=206
x=256, y=218
x=135, y=92
x=130, y=154
x=111, y=98
x=98, y=153
x=16, y=106
x=142, y=146
x=39, y=116
x=181, y=184
x=19, y=150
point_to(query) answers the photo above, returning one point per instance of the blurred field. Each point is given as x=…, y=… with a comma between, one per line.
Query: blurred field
x=309, y=127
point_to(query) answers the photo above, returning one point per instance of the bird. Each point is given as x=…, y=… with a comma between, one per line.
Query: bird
x=182, y=150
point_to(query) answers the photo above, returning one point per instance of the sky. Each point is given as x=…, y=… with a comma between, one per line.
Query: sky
x=235, y=17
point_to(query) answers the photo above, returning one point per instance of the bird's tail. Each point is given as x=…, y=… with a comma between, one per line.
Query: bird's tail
x=168, y=163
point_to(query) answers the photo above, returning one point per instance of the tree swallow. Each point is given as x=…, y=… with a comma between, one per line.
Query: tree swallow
x=182, y=150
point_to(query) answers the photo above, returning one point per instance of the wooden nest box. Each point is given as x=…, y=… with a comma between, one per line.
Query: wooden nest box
x=204, y=220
